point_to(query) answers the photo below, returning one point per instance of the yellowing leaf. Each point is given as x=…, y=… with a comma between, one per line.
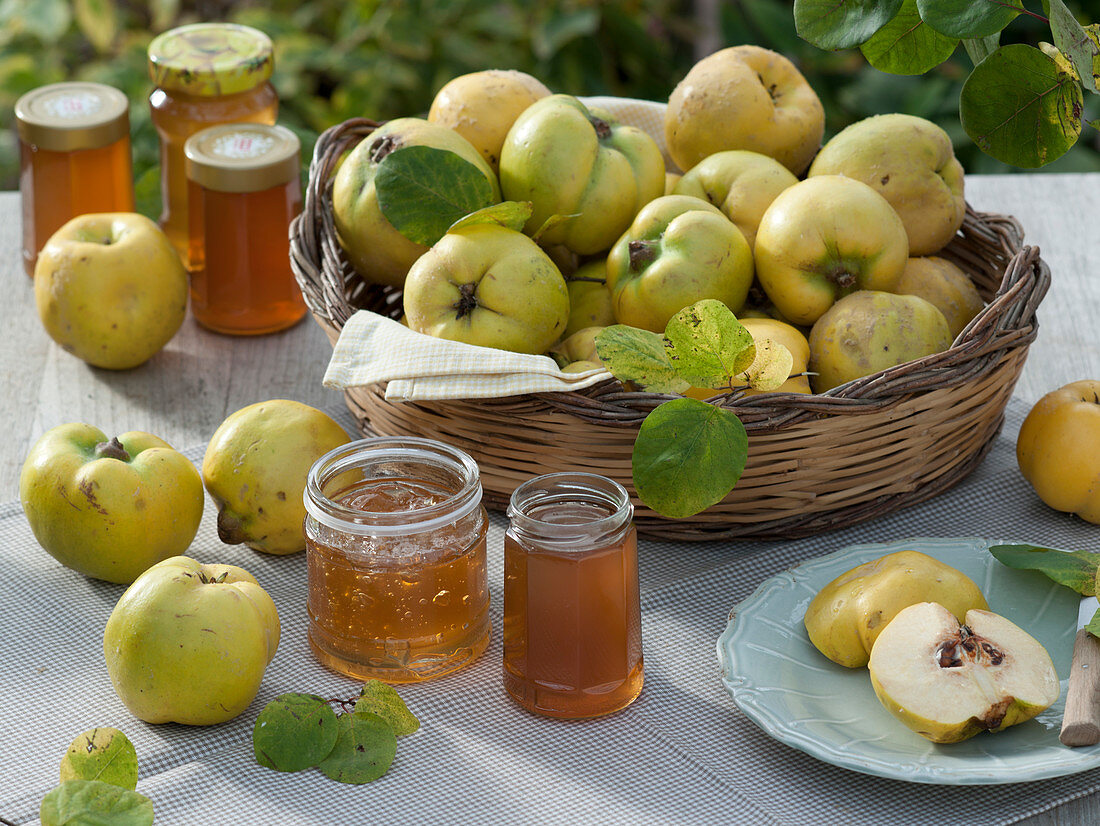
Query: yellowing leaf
x=639, y=356
x=98, y=21
x=510, y=214
x=707, y=345
x=771, y=367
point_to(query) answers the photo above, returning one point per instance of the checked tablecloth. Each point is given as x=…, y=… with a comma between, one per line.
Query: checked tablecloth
x=682, y=753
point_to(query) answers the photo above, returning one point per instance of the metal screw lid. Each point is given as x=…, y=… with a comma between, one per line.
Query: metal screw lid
x=242, y=157
x=63, y=117
x=211, y=59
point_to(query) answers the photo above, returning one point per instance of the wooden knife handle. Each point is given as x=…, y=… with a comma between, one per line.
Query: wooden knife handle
x=1081, y=722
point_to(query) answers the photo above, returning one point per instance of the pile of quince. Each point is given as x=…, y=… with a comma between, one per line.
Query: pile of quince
x=833, y=248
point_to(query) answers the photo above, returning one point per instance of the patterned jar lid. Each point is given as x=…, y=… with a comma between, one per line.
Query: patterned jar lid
x=211, y=59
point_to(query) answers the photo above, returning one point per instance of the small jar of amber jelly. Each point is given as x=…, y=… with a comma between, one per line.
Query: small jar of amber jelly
x=572, y=614
x=243, y=192
x=205, y=74
x=75, y=158
x=395, y=554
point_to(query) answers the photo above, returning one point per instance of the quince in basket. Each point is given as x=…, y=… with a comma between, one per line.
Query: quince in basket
x=377, y=250
x=488, y=285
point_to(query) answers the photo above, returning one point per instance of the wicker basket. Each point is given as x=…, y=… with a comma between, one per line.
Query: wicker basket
x=815, y=462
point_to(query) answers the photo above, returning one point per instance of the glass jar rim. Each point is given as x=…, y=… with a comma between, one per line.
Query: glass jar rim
x=569, y=486
x=381, y=449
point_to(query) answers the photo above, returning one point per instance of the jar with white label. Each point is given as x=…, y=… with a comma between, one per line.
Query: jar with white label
x=243, y=192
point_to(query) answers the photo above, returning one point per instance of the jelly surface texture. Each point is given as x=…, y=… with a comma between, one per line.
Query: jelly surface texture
x=398, y=608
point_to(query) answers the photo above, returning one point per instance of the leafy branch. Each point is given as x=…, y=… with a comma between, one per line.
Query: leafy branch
x=1021, y=104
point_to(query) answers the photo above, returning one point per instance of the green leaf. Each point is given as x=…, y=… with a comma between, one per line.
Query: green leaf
x=1074, y=569
x=510, y=214
x=561, y=27
x=688, y=455
x=423, y=190
x=639, y=356
x=1019, y=107
x=551, y=222
x=363, y=751
x=1073, y=41
x=294, y=732
x=382, y=699
x=981, y=47
x=163, y=12
x=907, y=45
x=48, y=20
x=707, y=345
x=965, y=19
x=102, y=754
x=841, y=24
x=94, y=803
x=1093, y=626
x=771, y=366
x=98, y=21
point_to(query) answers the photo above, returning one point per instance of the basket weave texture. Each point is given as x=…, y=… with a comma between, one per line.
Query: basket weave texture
x=815, y=462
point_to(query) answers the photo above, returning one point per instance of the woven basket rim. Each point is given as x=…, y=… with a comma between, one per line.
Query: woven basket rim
x=989, y=241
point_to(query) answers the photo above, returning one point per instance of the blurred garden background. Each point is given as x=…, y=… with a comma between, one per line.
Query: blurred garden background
x=381, y=59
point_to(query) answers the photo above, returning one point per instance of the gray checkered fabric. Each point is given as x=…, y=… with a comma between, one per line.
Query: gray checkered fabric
x=682, y=753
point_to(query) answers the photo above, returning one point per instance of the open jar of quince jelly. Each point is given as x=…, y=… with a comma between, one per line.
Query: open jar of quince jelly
x=395, y=554
x=572, y=614
x=205, y=74
x=243, y=192
x=74, y=141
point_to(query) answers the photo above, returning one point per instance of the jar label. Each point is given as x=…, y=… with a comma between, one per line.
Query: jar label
x=75, y=106
x=241, y=145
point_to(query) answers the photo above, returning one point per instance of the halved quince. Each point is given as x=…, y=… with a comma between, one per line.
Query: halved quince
x=847, y=615
x=948, y=681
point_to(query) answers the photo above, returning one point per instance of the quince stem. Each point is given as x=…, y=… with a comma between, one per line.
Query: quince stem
x=112, y=450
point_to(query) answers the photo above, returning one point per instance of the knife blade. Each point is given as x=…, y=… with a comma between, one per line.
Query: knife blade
x=1081, y=721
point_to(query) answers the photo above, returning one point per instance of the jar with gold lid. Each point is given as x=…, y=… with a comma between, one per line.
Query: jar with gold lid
x=74, y=141
x=243, y=192
x=205, y=74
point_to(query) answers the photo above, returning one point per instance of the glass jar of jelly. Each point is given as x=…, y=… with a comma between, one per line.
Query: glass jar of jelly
x=572, y=614
x=395, y=556
x=243, y=192
x=74, y=142
x=204, y=74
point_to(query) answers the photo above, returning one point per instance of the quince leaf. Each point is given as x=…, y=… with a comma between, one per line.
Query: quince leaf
x=93, y=801
x=965, y=19
x=382, y=699
x=1020, y=107
x=636, y=355
x=510, y=214
x=771, y=367
x=423, y=190
x=1077, y=44
x=907, y=45
x=687, y=456
x=364, y=749
x=294, y=732
x=832, y=25
x=552, y=222
x=707, y=345
x=1074, y=569
x=102, y=754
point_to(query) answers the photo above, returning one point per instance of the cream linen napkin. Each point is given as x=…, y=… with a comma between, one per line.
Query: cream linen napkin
x=416, y=367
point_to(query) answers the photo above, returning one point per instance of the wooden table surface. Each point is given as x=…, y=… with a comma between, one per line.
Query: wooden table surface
x=186, y=390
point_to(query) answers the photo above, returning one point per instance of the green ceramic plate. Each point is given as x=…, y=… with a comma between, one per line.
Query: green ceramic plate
x=785, y=685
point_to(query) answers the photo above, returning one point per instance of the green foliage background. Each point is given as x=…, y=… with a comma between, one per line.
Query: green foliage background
x=381, y=59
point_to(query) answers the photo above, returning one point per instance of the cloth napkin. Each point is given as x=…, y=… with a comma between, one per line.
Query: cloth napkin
x=415, y=367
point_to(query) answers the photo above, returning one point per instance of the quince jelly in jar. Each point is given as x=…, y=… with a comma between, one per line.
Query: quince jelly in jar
x=395, y=550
